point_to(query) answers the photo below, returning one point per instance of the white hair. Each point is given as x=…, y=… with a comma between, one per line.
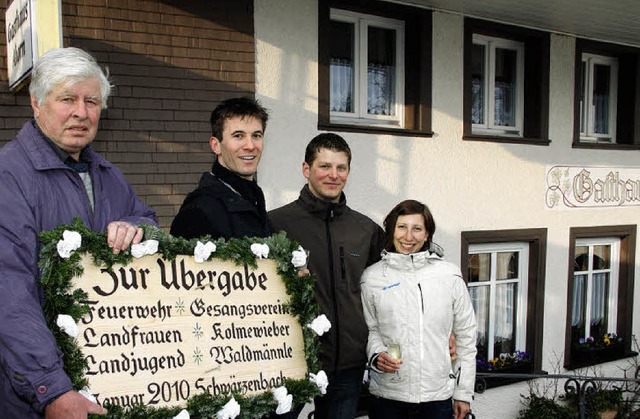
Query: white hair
x=66, y=66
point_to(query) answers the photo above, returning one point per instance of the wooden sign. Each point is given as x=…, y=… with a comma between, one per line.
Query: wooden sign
x=159, y=332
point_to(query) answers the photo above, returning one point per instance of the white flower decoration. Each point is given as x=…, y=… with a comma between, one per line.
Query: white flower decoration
x=321, y=380
x=203, y=251
x=147, y=247
x=71, y=241
x=320, y=325
x=230, y=410
x=67, y=325
x=87, y=394
x=260, y=250
x=184, y=414
x=284, y=400
x=299, y=258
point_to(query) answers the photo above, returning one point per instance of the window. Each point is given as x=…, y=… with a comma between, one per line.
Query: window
x=505, y=274
x=498, y=287
x=600, y=295
x=595, y=288
x=497, y=82
x=598, y=98
x=367, y=82
x=506, y=83
x=606, y=87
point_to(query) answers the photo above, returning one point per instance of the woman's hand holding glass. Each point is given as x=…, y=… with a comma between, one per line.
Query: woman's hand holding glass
x=391, y=360
x=386, y=363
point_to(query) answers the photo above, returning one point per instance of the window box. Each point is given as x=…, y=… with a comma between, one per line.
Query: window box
x=484, y=382
x=596, y=351
x=597, y=355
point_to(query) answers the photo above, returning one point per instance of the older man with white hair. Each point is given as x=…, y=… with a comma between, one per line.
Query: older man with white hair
x=49, y=174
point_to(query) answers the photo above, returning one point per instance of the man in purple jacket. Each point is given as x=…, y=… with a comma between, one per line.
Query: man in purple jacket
x=49, y=174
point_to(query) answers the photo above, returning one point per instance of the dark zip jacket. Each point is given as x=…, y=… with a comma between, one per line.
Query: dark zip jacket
x=223, y=205
x=342, y=243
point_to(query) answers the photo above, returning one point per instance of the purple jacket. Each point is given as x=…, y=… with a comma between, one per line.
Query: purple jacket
x=39, y=192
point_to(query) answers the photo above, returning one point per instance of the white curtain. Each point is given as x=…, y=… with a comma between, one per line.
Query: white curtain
x=341, y=76
x=599, y=297
x=380, y=82
x=479, y=296
x=577, y=300
x=505, y=312
x=601, y=113
x=380, y=87
x=477, y=95
x=504, y=92
x=600, y=285
x=505, y=104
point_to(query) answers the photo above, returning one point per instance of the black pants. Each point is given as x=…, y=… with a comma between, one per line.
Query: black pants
x=392, y=409
x=343, y=393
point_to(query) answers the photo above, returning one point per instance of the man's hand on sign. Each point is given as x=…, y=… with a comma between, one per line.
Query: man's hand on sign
x=72, y=405
x=121, y=234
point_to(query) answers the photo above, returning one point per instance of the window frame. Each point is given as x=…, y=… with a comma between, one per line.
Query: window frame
x=416, y=93
x=522, y=297
x=535, y=122
x=361, y=23
x=624, y=315
x=612, y=296
x=627, y=123
x=588, y=135
x=537, y=240
x=491, y=44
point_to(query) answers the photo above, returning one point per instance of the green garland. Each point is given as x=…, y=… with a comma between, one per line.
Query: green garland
x=57, y=275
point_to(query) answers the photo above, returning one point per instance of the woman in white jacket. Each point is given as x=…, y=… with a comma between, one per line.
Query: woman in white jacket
x=415, y=299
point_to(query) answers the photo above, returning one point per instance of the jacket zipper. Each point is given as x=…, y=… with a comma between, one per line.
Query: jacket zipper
x=420, y=290
x=336, y=318
x=421, y=324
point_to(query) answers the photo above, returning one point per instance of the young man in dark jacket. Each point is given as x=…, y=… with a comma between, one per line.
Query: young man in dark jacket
x=228, y=202
x=342, y=243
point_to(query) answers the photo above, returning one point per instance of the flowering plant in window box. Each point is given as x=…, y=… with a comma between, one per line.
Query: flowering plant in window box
x=505, y=361
x=589, y=351
x=518, y=362
x=608, y=340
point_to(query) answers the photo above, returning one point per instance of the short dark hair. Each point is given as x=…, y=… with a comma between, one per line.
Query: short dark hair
x=326, y=140
x=408, y=207
x=239, y=106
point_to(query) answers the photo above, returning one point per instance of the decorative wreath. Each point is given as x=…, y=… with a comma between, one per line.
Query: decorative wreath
x=58, y=272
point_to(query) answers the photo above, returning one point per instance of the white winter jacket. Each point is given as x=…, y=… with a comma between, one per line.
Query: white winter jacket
x=418, y=300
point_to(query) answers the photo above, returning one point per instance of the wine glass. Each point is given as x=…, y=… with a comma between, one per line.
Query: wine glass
x=394, y=351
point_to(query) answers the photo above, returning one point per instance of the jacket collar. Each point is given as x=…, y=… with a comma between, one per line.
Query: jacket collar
x=411, y=261
x=321, y=208
x=42, y=155
x=248, y=189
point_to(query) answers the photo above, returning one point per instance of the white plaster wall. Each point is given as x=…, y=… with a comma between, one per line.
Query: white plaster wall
x=468, y=185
